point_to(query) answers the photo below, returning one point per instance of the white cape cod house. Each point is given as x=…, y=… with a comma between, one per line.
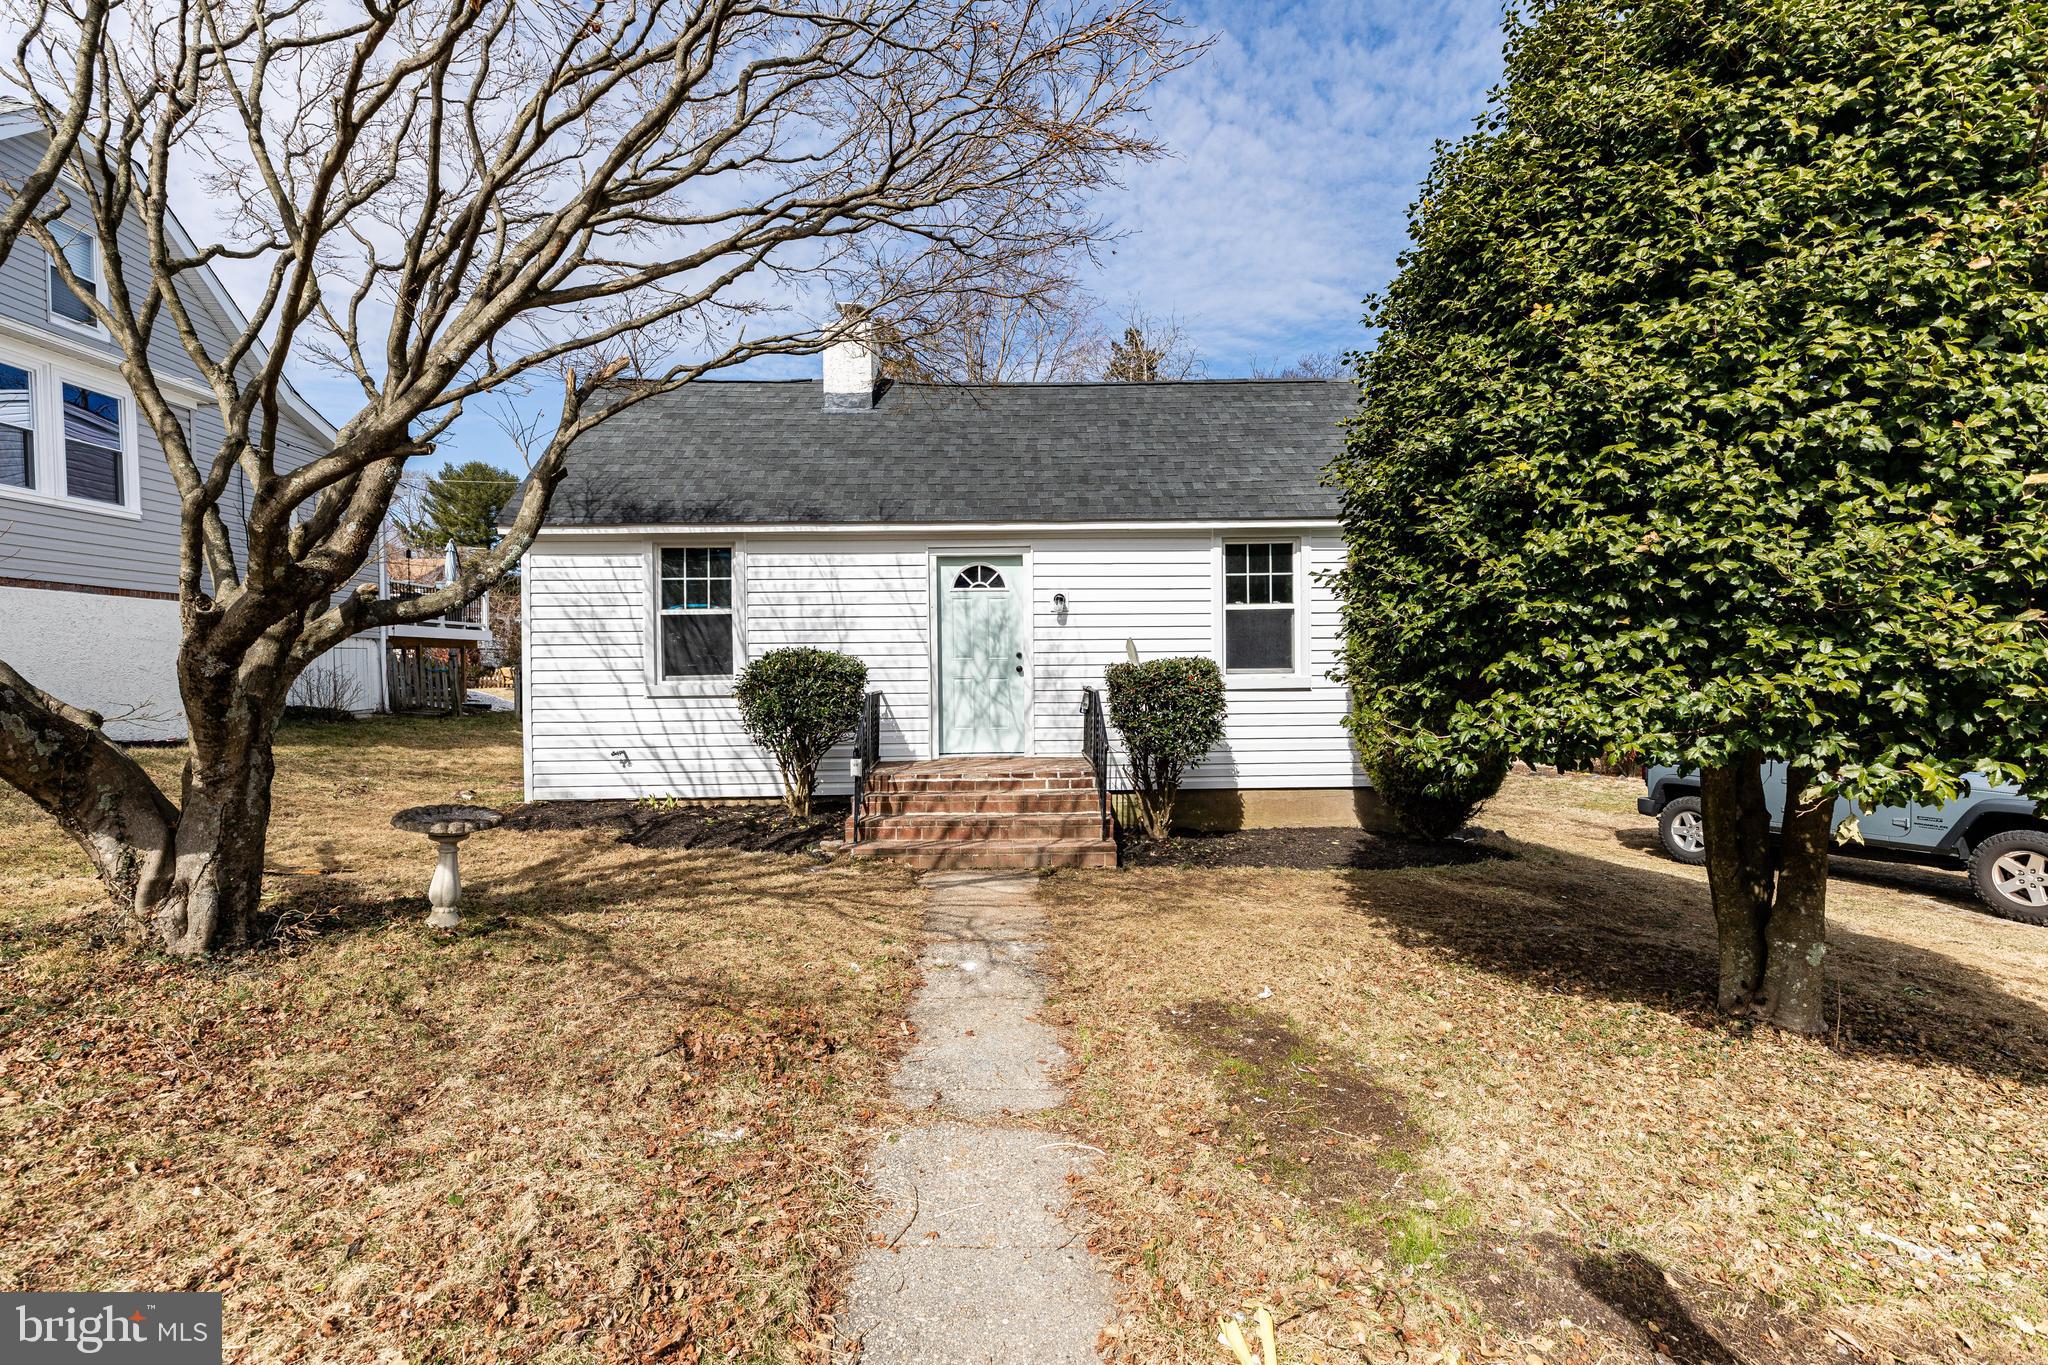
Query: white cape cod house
x=987, y=551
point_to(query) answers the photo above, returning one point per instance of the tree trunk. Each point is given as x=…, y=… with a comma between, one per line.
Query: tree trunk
x=1157, y=789
x=1794, y=983
x=1769, y=894
x=190, y=875
x=216, y=878
x=1741, y=871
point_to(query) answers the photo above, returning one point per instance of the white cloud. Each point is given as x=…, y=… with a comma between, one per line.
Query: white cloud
x=1300, y=139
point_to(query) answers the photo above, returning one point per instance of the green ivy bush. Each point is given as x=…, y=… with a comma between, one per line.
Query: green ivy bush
x=1430, y=791
x=797, y=704
x=1170, y=714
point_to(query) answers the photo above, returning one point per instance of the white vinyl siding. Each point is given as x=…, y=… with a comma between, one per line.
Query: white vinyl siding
x=597, y=727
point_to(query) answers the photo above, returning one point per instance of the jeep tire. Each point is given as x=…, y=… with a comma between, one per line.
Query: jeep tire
x=2009, y=873
x=1682, y=829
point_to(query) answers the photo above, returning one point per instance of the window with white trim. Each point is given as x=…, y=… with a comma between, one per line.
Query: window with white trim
x=695, y=635
x=67, y=432
x=93, y=449
x=1258, y=607
x=82, y=254
x=17, y=427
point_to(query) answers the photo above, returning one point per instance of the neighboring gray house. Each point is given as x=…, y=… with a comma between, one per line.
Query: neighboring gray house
x=88, y=511
x=987, y=550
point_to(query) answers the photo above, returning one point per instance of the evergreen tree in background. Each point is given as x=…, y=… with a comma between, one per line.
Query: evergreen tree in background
x=461, y=504
x=1152, y=348
x=1133, y=359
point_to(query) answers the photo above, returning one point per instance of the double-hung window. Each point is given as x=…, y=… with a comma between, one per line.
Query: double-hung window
x=67, y=433
x=695, y=635
x=81, y=253
x=93, y=450
x=1258, y=607
x=17, y=427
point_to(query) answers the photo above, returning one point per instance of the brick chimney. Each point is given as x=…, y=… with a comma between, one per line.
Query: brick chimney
x=853, y=366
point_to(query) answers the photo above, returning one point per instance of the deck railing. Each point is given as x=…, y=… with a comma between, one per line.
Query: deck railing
x=469, y=614
x=867, y=753
x=1095, y=747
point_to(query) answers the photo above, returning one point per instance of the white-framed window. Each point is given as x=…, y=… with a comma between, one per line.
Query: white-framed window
x=1261, y=602
x=81, y=252
x=95, y=453
x=17, y=427
x=696, y=632
x=68, y=434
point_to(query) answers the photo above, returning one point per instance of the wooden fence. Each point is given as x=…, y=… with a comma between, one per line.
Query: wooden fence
x=425, y=678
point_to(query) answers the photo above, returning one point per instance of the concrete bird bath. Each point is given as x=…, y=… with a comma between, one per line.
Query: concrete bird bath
x=447, y=826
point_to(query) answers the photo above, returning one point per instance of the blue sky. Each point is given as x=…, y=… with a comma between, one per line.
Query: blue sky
x=1298, y=141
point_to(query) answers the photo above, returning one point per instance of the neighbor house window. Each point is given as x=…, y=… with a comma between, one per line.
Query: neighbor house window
x=1258, y=608
x=696, y=612
x=92, y=445
x=17, y=428
x=80, y=252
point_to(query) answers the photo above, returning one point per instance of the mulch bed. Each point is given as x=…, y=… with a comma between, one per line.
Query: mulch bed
x=752, y=827
x=1316, y=848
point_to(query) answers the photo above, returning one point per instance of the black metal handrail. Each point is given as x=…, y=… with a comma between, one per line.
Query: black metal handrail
x=1095, y=747
x=867, y=753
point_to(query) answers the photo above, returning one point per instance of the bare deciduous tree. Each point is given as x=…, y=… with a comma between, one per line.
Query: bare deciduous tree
x=1151, y=349
x=61, y=118
x=1044, y=330
x=448, y=199
x=1314, y=365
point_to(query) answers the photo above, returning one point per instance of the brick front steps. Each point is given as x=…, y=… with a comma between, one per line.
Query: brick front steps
x=984, y=812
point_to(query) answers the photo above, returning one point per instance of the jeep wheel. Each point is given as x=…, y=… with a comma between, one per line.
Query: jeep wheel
x=1683, y=831
x=2010, y=874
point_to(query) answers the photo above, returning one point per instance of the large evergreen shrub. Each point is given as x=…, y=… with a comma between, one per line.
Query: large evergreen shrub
x=797, y=704
x=1170, y=714
x=1706, y=424
x=1429, y=790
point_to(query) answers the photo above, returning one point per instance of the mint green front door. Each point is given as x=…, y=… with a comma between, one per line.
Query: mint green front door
x=982, y=683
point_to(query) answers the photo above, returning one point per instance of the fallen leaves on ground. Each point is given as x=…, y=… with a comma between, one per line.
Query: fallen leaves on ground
x=1610, y=1170
x=618, y=1116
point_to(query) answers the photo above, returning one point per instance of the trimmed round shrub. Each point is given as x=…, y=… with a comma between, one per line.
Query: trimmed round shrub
x=1170, y=714
x=797, y=704
x=1431, y=793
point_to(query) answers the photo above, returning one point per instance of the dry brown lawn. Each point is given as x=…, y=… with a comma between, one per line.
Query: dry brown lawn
x=1488, y=1112
x=1472, y=1113
x=617, y=1116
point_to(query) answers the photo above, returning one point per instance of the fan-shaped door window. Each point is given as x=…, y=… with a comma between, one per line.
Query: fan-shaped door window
x=978, y=578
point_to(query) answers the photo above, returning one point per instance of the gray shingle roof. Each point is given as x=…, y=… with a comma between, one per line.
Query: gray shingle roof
x=750, y=452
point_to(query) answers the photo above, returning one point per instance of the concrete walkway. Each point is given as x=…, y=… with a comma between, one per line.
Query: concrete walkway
x=980, y=1262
